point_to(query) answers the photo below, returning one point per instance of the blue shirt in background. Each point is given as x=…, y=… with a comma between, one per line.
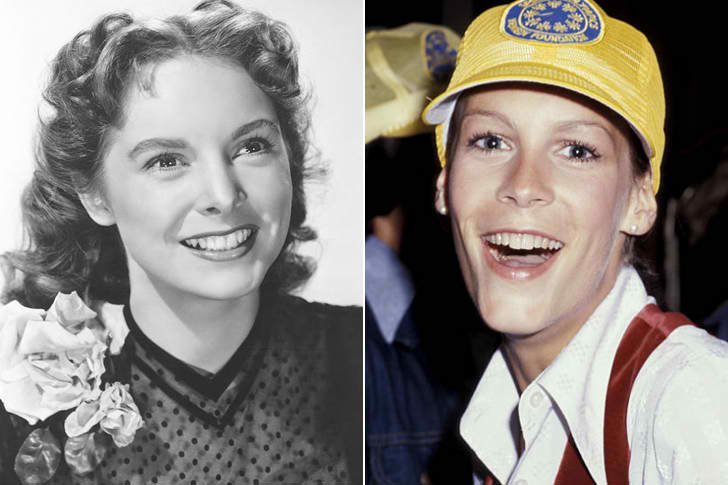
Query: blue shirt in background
x=407, y=414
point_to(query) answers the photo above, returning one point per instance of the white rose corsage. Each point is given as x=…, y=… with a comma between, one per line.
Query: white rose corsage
x=53, y=367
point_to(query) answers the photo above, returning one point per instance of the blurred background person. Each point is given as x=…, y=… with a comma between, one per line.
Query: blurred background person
x=419, y=367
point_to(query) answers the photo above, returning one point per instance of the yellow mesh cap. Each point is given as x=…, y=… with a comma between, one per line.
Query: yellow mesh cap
x=405, y=67
x=572, y=44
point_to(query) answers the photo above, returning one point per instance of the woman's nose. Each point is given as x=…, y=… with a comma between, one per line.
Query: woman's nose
x=527, y=183
x=221, y=190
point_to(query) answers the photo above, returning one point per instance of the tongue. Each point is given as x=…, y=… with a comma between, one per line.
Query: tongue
x=524, y=260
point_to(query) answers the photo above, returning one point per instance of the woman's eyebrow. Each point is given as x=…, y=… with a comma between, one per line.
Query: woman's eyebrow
x=153, y=143
x=254, y=125
x=179, y=143
x=574, y=124
x=488, y=114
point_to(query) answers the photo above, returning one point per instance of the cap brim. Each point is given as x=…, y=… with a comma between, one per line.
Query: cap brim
x=441, y=108
x=397, y=117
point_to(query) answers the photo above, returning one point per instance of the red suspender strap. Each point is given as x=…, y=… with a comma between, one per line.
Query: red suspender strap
x=648, y=329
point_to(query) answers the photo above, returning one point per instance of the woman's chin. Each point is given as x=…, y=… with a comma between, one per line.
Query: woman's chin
x=512, y=316
x=233, y=290
x=515, y=329
x=218, y=287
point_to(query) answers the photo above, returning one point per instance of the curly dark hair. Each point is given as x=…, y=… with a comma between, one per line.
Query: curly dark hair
x=64, y=249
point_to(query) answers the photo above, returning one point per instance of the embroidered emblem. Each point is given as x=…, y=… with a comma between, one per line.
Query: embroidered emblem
x=440, y=56
x=554, y=21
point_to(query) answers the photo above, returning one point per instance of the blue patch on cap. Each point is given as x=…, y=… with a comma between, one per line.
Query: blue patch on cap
x=553, y=21
x=440, y=56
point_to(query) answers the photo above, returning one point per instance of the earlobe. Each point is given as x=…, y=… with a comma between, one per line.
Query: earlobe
x=97, y=208
x=440, y=197
x=642, y=208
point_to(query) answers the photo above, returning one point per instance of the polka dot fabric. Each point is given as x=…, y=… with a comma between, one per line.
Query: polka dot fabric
x=273, y=420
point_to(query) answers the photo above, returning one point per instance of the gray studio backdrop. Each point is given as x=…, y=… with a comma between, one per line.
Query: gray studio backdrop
x=330, y=35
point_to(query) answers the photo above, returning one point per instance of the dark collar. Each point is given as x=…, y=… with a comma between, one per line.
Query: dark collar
x=213, y=398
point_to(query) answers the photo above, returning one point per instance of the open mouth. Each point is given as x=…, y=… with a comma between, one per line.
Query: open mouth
x=522, y=251
x=222, y=241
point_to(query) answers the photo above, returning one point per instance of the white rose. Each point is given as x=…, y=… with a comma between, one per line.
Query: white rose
x=115, y=411
x=48, y=364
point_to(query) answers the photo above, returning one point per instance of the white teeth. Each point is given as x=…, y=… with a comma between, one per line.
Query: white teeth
x=220, y=243
x=231, y=241
x=523, y=241
x=527, y=241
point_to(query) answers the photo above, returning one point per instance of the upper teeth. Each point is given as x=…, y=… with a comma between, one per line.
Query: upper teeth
x=220, y=243
x=523, y=241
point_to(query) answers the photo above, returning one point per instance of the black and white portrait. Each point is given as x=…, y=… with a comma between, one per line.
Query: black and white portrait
x=181, y=247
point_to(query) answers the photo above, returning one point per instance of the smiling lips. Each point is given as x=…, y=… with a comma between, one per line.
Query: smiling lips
x=224, y=242
x=223, y=245
x=520, y=255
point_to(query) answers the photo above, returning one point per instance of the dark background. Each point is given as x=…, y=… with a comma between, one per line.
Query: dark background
x=684, y=263
x=691, y=41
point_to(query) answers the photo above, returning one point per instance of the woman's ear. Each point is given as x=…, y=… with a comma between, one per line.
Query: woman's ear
x=440, y=195
x=97, y=208
x=642, y=210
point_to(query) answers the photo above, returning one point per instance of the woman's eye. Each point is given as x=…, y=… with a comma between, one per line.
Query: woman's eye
x=165, y=161
x=489, y=142
x=253, y=146
x=579, y=152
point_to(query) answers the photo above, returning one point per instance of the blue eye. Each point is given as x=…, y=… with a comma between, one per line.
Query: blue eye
x=488, y=142
x=578, y=151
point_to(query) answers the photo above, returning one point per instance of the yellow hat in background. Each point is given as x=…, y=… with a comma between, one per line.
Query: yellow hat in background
x=572, y=44
x=405, y=67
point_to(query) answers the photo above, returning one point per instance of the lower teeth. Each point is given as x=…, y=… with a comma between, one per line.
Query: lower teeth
x=522, y=256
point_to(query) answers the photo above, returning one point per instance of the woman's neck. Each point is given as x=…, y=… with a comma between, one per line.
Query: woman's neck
x=201, y=332
x=527, y=356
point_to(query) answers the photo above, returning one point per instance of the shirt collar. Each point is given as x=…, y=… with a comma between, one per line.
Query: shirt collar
x=576, y=381
x=389, y=289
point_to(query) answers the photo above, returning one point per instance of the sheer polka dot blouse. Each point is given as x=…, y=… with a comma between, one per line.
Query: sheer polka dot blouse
x=285, y=409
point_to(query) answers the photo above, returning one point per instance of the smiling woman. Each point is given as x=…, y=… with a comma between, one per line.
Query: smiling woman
x=551, y=138
x=558, y=177
x=204, y=170
x=168, y=192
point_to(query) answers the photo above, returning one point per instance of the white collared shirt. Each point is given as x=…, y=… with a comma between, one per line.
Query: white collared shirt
x=677, y=419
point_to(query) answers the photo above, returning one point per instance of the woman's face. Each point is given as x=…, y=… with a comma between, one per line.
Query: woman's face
x=541, y=193
x=197, y=180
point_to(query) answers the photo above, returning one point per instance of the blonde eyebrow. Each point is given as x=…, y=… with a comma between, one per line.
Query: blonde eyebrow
x=568, y=125
x=488, y=114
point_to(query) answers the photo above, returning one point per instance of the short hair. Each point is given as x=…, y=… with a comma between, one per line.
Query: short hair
x=64, y=249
